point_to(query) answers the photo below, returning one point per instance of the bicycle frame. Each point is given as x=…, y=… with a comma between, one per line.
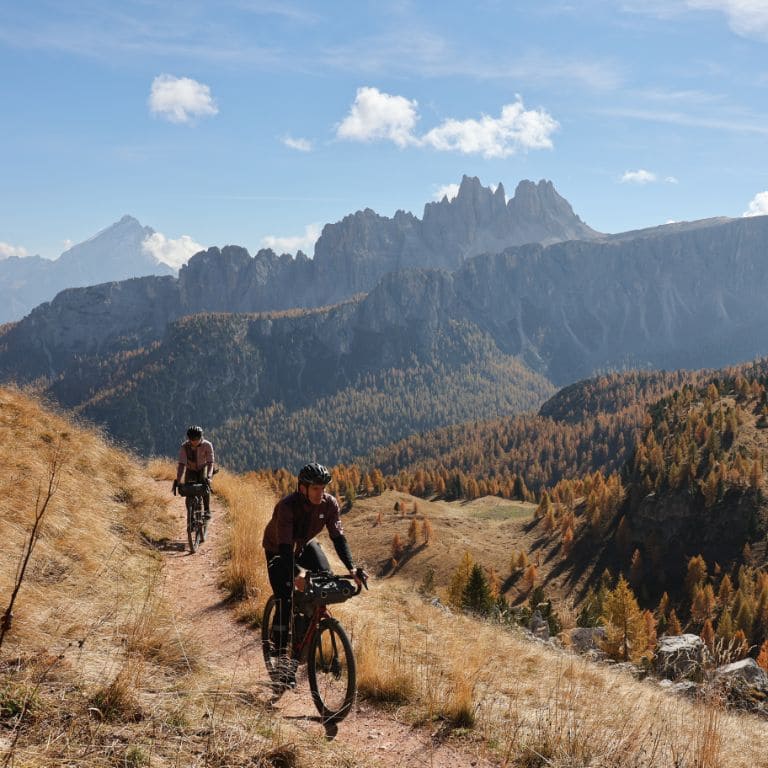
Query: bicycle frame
x=302, y=645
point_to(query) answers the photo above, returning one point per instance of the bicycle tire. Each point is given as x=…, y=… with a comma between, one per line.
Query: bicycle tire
x=268, y=648
x=331, y=671
x=194, y=523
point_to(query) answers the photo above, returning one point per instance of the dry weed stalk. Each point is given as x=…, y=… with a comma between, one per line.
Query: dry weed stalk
x=42, y=503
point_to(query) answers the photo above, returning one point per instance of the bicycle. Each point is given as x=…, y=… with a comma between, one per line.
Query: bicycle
x=317, y=640
x=197, y=524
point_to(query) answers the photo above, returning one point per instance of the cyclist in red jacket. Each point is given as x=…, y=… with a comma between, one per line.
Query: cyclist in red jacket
x=290, y=546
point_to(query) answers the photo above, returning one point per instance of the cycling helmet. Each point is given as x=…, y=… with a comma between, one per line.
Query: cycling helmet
x=314, y=474
x=194, y=432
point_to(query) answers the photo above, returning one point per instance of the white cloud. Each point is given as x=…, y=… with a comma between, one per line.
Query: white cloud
x=174, y=253
x=7, y=250
x=381, y=116
x=641, y=176
x=638, y=177
x=516, y=128
x=291, y=244
x=447, y=190
x=758, y=206
x=302, y=145
x=180, y=99
x=748, y=18
x=376, y=115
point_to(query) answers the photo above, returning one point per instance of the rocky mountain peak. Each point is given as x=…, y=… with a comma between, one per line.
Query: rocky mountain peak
x=542, y=215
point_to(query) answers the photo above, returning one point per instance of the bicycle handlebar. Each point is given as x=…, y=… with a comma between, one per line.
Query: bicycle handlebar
x=317, y=580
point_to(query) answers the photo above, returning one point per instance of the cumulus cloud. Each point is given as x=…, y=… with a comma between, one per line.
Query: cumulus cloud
x=375, y=115
x=302, y=145
x=447, y=190
x=180, y=99
x=748, y=18
x=758, y=206
x=291, y=244
x=641, y=176
x=7, y=250
x=638, y=177
x=516, y=128
x=381, y=116
x=174, y=253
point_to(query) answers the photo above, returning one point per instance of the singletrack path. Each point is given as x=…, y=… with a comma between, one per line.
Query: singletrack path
x=232, y=651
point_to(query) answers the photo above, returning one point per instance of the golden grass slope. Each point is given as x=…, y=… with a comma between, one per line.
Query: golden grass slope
x=90, y=553
x=98, y=669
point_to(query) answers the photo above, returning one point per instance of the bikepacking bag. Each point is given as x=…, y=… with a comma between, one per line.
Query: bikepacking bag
x=191, y=489
x=327, y=589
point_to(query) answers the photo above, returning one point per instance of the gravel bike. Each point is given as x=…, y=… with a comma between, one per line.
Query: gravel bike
x=317, y=640
x=197, y=523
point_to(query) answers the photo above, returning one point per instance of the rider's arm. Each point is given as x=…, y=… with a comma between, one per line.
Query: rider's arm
x=208, y=459
x=181, y=465
x=336, y=532
x=342, y=550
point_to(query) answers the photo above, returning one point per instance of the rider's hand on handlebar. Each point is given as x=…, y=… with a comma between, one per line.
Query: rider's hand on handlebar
x=361, y=577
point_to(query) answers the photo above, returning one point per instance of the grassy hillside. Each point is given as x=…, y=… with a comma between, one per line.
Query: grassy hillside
x=101, y=667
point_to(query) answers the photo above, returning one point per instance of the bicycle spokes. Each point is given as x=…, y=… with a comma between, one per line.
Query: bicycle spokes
x=332, y=671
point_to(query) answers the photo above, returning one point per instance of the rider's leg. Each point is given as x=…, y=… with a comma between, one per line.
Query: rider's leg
x=312, y=557
x=207, y=505
x=282, y=591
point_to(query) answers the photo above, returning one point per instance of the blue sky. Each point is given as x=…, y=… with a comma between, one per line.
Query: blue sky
x=255, y=122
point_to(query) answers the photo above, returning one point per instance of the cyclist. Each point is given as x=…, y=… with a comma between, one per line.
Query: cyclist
x=291, y=548
x=196, y=464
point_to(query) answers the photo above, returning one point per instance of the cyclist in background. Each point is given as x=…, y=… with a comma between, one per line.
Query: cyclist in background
x=196, y=464
x=291, y=548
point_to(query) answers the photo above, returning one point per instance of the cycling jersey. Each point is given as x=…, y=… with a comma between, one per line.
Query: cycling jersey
x=295, y=521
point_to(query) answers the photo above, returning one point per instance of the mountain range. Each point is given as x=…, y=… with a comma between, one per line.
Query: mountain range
x=115, y=253
x=453, y=305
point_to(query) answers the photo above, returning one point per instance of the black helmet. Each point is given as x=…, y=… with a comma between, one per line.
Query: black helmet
x=314, y=474
x=194, y=432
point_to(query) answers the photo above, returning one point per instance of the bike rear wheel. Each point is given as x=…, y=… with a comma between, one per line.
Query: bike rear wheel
x=269, y=646
x=331, y=671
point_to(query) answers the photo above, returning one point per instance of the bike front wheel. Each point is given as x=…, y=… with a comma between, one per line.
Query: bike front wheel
x=331, y=671
x=194, y=526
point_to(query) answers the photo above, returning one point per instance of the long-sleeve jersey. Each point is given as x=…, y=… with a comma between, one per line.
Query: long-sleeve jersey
x=295, y=521
x=195, y=458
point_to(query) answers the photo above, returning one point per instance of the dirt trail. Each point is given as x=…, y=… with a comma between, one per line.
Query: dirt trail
x=372, y=737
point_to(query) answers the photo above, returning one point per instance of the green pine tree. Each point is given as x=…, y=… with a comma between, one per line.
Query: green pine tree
x=477, y=593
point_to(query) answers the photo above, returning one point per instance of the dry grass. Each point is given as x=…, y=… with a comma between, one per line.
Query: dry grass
x=96, y=669
x=250, y=505
x=533, y=705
